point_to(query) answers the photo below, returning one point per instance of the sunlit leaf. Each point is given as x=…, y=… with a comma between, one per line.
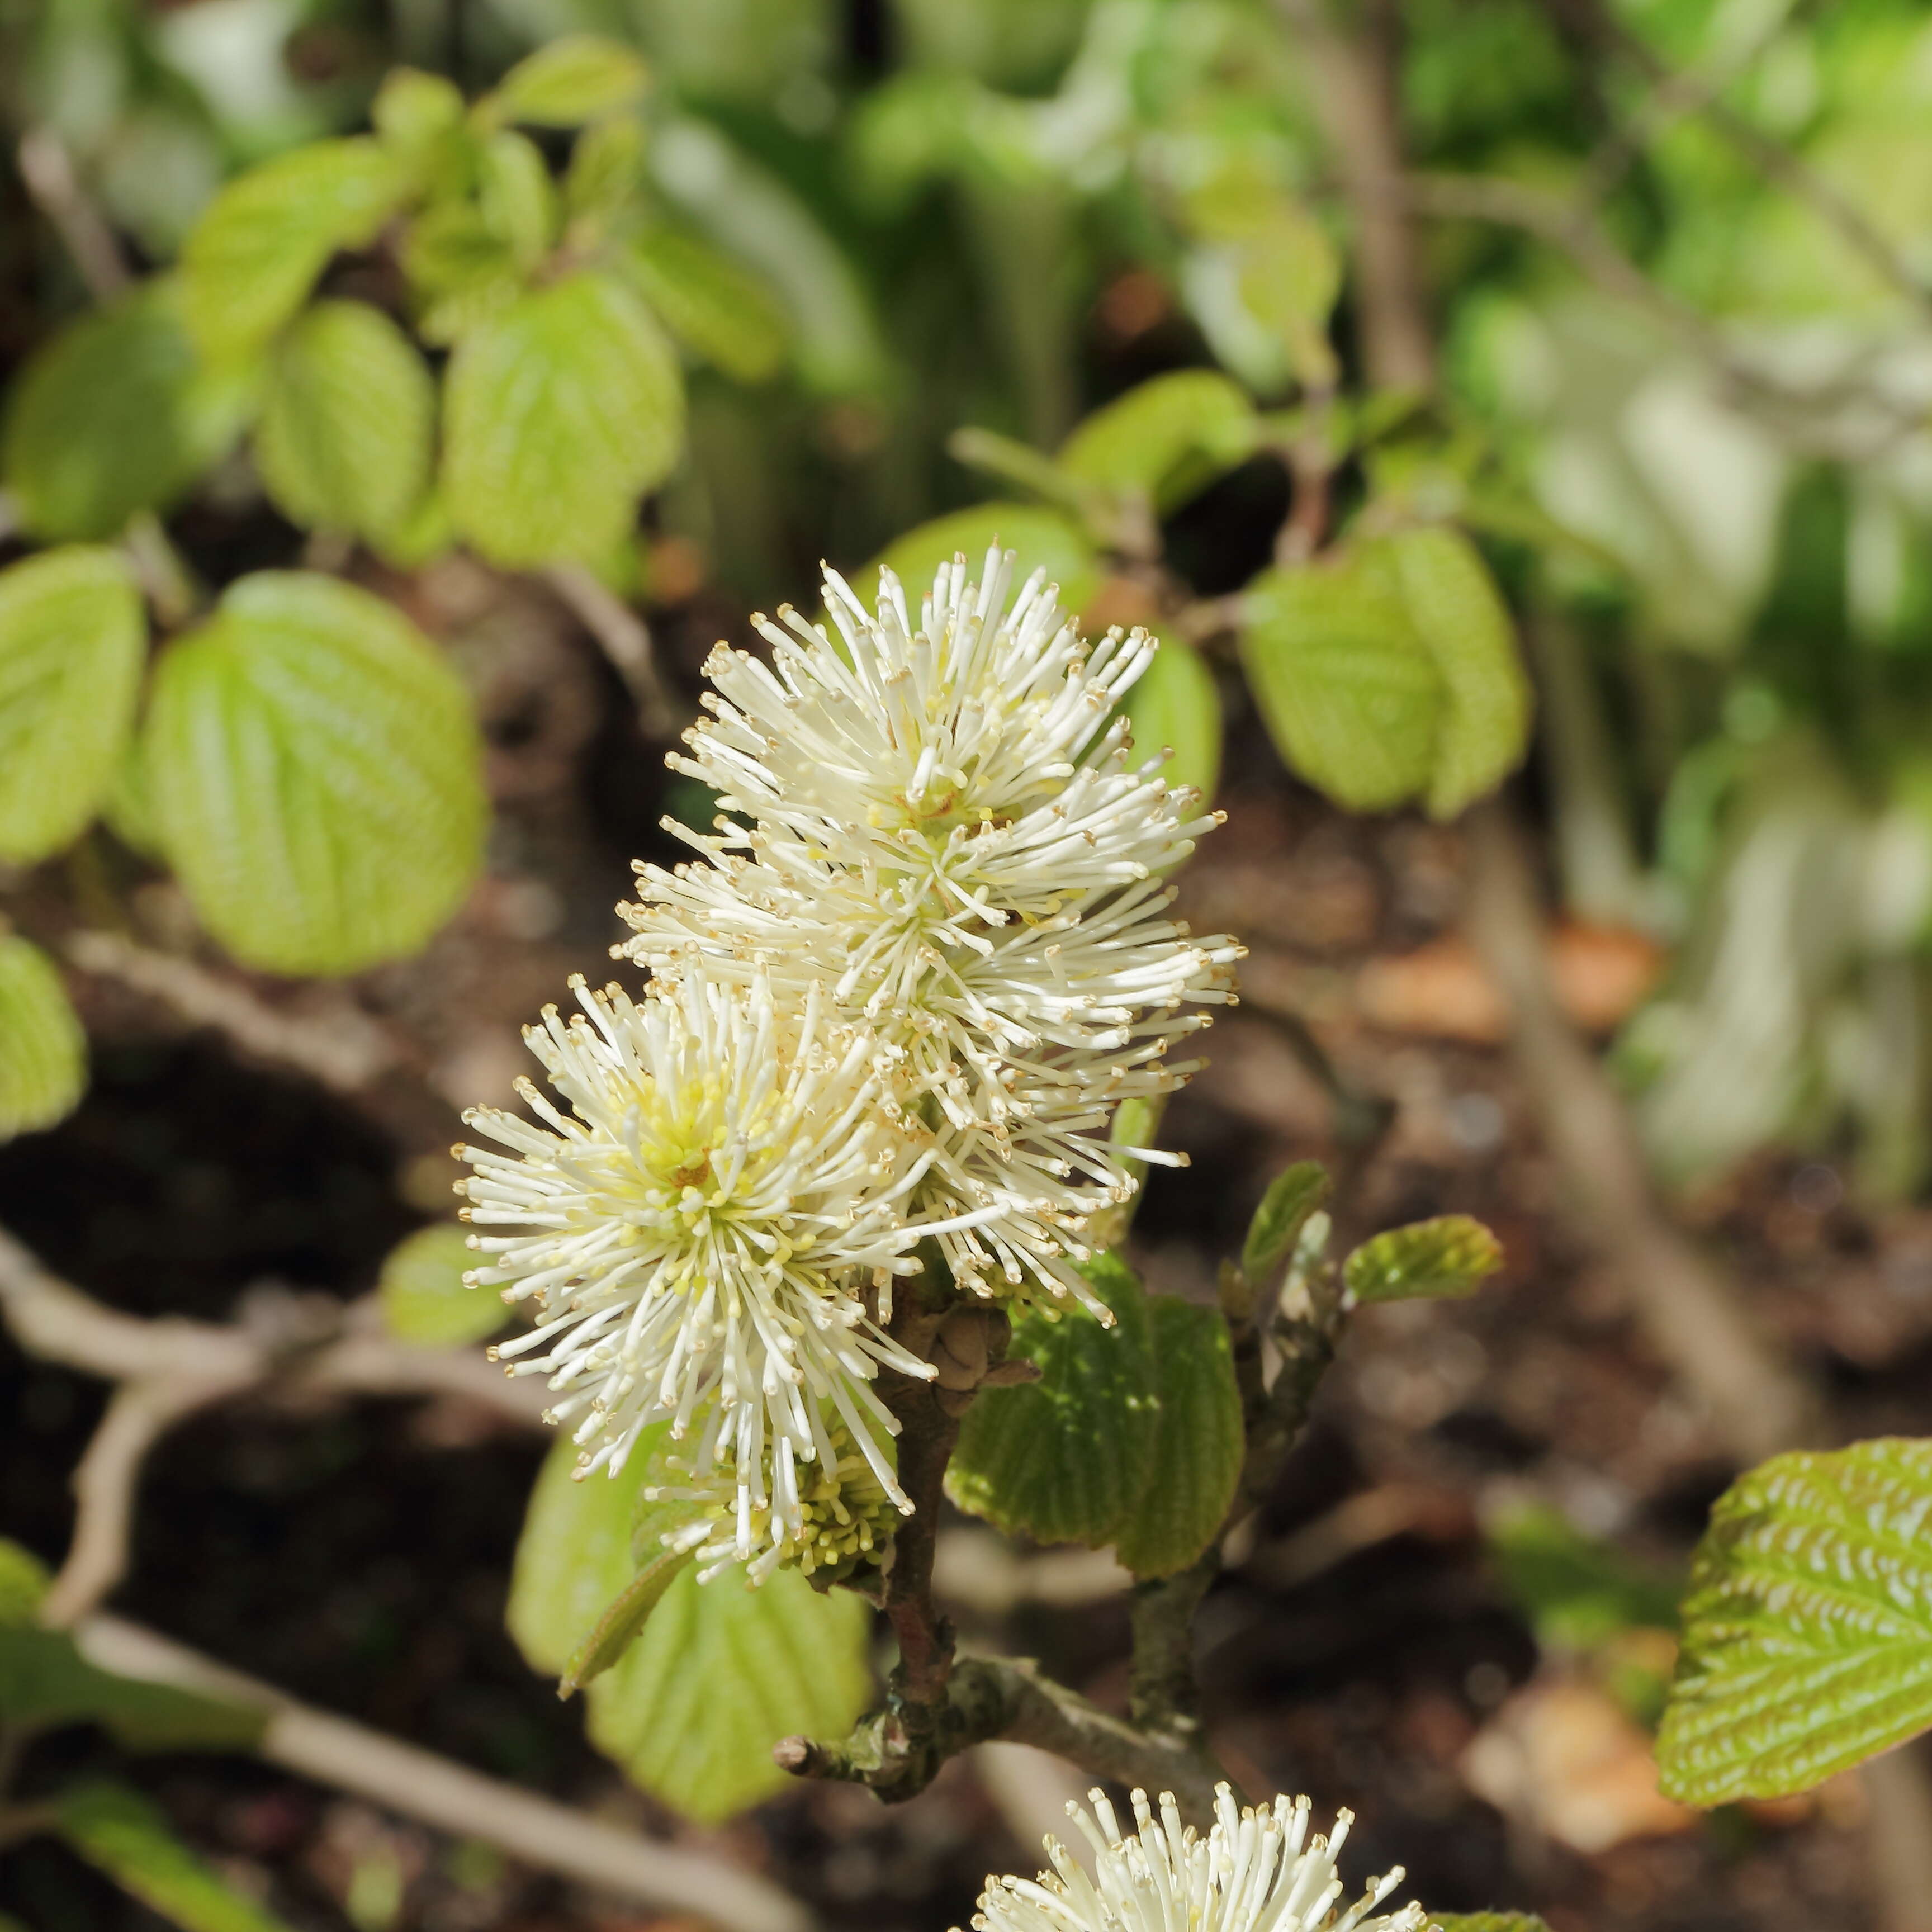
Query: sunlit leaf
x=42, y=1049
x=1447, y=1257
x=1041, y=539
x=255, y=252
x=624, y=1619
x=1487, y=1922
x=716, y=308
x=1171, y=437
x=1808, y=1630
x=124, y=1834
x=561, y=410
x=517, y=198
x=423, y=1296
x=1176, y=708
x=1292, y=1196
x=576, y=78
x=1066, y=1458
x=348, y=422
x=315, y=773
x=72, y=639
x=607, y=168
x=1198, y=1442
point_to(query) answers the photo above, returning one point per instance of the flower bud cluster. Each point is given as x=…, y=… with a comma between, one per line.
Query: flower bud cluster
x=926, y=951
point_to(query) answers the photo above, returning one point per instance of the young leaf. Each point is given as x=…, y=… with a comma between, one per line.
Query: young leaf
x=123, y=1834
x=517, y=199
x=348, y=423
x=413, y=110
x=561, y=409
x=1808, y=1629
x=43, y=1050
x=577, y=78
x=314, y=770
x=460, y=271
x=607, y=169
x=424, y=1300
x=255, y=254
x=1171, y=437
x=619, y=1627
x=720, y=1673
x=1293, y=1194
x=1461, y=619
x=1040, y=539
x=716, y=309
x=1445, y=1259
x=1488, y=1921
x=1175, y=708
x=72, y=639
x=1067, y=1458
x=1348, y=691
x=114, y=416
x=45, y=1681
x=1198, y=1444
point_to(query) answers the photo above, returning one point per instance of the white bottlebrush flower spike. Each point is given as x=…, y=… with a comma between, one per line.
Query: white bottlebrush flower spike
x=948, y=834
x=701, y=1228
x=1257, y=1871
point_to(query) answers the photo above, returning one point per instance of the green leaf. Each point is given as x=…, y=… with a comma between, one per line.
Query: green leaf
x=720, y=1674
x=517, y=199
x=1447, y=1257
x=1488, y=1921
x=577, y=78
x=1041, y=538
x=24, y=1579
x=45, y=1681
x=1577, y=1592
x=1170, y=437
x=414, y=110
x=621, y=1624
x=607, y=169
x=1174, y=707
x=424, y=1300
x=1347, y=689
x=1808, y=1629
x=1199, y=1443
x=348, y=421
x=460, y=271
x=716, y=308
x=314, y=770
x=73, y=640
x=121, y=1833
x=1066, y=1458
x=42, y=1049
x=1293, y=1196
x=255, y=254
x=1460, y=617
x=561, y=411
x=114, y=416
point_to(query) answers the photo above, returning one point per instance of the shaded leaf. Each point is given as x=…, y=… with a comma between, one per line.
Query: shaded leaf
x=424, y=1300
x=44, y=1681
x=561, y=410
x=607, y=168
x=1448, y=1257
x=1170, y=437
x=1577, y=1592
x=348, y=422
x=1066, y=1458
x=716, y=308
x=1198, y=1442
x=122, y=1834
x=460, y=270
x=574, y=79
x=1488, y=1921
x=315, y=774
x=255, y=254
x=24, y=1579
x=42, y=1049
x=1041, y=539
x=1807, y=1639
x=1292, y=1196
x=115, y=414
x=73, y=640
x=1175, y=708
x=517, y=198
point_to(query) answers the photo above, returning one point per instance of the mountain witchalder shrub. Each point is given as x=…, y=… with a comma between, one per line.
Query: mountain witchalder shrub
x=1256, y=1870
x=894, y=1003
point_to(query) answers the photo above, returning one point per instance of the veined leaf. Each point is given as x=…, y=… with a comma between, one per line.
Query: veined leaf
x=576, y=78
x=1292, y=1196
x=561, y=409
x=255, y=252
x=424, y=1300
x=315, y=774
x=72, y=639
x=1448, y=1257
x=1170, y=437
x=1175, y=707
x=720, y=1673
x=1808, y=1629
x=1067, y=1458
x=348, y=424
x=1198, y=1442
x=121, y=1833
x=716, y=308
x=42, y=1049
x=115, y=414
x=1040, y=539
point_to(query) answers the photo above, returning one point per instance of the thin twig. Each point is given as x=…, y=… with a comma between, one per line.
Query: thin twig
x=626, y=641
x=419, y=1784
x=47, y=169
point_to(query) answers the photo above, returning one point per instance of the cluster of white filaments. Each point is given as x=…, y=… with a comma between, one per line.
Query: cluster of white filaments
x=895, y=1002
x=1256, y=1870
